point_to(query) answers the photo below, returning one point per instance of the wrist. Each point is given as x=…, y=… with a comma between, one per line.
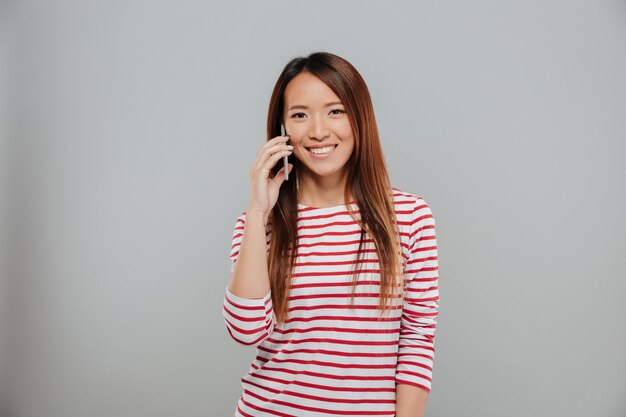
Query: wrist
x=257, y=215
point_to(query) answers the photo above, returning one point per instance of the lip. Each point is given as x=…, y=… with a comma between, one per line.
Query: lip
x=324, y=156
x=321, y=146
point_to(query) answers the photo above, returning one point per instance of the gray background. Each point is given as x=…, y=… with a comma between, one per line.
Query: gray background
x=128, y=129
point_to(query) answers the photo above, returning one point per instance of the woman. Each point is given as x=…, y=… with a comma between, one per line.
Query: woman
x=346, y=325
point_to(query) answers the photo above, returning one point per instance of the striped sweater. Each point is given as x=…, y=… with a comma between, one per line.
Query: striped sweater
x=329, y=359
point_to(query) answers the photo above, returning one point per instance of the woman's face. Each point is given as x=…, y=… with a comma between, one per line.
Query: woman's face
x=315, y=118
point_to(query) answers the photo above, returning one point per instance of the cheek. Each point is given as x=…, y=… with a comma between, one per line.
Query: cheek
x=345, y=130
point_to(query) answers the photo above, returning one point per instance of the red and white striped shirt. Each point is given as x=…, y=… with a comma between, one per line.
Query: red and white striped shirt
x=329, y=359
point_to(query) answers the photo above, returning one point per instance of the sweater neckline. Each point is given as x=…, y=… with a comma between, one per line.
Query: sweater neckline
x=309, y=208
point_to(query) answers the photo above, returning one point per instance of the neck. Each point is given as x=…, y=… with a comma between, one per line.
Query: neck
x=321, y=191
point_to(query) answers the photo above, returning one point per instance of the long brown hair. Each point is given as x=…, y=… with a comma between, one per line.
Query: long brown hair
x=367, y=180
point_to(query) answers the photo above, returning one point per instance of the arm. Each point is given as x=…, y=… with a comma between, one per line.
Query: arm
x=419, y=315
x=247, y=308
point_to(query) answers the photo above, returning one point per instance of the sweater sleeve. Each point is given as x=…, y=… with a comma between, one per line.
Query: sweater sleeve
x=249, y=321
x=421, y=301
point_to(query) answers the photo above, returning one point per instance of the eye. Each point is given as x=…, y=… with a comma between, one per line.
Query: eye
x=295, y=115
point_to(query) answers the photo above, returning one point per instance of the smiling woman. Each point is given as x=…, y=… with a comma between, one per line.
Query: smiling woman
x=334, y=275
x=320, y=130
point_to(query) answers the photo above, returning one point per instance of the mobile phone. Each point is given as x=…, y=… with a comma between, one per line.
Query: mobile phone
x=283, y=133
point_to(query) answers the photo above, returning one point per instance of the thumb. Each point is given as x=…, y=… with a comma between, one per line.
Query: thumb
x=281, y=173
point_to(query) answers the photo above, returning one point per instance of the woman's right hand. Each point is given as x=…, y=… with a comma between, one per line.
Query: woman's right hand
x=263, y=189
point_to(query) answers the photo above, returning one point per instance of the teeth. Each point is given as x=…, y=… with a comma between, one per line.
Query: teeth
x=322, y=150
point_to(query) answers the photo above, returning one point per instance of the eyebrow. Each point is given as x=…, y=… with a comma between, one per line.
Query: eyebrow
x=299, y=106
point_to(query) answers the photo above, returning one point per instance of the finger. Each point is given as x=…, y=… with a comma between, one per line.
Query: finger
x=271, y=146
x=273, y=159
x=280, y=175
x=276, y=140
x=266, y=154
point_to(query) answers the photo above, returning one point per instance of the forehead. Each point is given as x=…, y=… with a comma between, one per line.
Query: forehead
x=307, y=89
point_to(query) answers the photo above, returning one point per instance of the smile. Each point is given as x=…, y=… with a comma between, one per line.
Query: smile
x=324, y=152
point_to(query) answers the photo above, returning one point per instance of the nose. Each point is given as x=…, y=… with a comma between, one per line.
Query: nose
x=319, y=131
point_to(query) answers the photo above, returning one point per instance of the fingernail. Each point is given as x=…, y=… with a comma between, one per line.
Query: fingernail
x=290, y=147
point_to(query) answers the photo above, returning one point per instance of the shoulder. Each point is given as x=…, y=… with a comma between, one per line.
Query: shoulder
x=406, y=201
x=413, y=212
